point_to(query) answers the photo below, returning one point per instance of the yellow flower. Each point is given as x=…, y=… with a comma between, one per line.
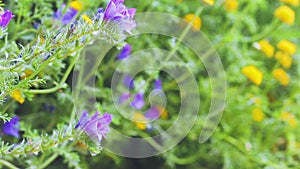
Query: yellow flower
x=179, y=1
x=26, y=73
x=287, y=47
x=163, y=111
x=87, y=19
x=17, y=95
x=197, y=22
x=252, y=73
x=210, y=2
x=290, y=118
x=292, y=2
x=266, y=48
x=257, y=114
x=231, y=5
x=257, y=101
x=281, y=76
x=76, y=5
x=284, y=59
x=285, y=14
x=140, y=121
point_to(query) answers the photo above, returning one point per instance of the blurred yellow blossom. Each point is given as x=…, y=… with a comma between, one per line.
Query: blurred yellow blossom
x=257, y=101
x=210, y=2
x=266, y=48
x=231, y=5
x=140, y=121
x=290, y=118
x=257, y=114
x=284, y=59
x=281, y=76
x=292, y=2
x=87, y=19
x=163, y=111
x=178, y=1
x=252, y=73
x=26, y=73
x=285, y=14
x=197, y=22
x=287, y=46
x=76, y=5
x=17, y=95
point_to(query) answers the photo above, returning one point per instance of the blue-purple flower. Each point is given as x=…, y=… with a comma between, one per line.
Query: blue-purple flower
x=12, y=127
x=67, y=17
x=97, y=126
x=128, y=81
x=124, y=97
x=125, y=52
x=118, y=12
x=157, y=84
x=138, y=101
x=5, y=18
x=152, y=113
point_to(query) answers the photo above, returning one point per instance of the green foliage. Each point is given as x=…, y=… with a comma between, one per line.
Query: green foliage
x=48, y=116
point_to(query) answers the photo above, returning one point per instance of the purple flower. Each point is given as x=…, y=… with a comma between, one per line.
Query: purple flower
x=117, y=11
x=138, y=101
x=157, y=84
x=5, y=18
x=12, y=127
x=67, y=17
x=128, y=81
x=152, y=113
x=99, y=14
x=124, y=97
x=125, y=52
x=97, y=126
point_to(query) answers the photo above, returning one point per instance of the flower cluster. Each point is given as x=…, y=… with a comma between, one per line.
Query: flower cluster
x=12, y=127
x=96, y=126
x=5, y=18
x=282, y=53
x=116, y=11
x=141, y=120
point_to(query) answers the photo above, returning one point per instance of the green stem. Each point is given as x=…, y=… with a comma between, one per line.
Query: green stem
x=181, y=37
x=183, y=161
x=241, y=148
x=7, y=164
x=151, y=141
x=58, y=86
x=183, y=34
x=264, y=34
x=49, y=160
x=18, y=22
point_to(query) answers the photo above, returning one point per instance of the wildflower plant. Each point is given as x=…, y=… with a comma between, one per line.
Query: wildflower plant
x=189, y=83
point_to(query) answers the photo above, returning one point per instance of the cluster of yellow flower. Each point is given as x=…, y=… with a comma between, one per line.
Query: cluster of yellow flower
x=283, y=54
